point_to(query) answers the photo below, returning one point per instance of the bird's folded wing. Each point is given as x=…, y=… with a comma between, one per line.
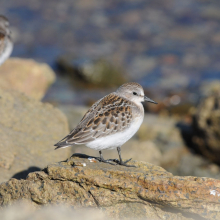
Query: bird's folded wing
x=99, y=122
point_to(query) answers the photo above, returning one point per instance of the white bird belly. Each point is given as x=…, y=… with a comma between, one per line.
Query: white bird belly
x=118, y=139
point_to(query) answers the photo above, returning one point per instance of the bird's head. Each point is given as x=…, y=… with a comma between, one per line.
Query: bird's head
x=133, y=92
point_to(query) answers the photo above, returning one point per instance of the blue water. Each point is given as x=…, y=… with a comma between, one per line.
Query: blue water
x=121, y=32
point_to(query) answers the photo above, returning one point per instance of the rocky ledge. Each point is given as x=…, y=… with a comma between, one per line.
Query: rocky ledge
x=147, y=191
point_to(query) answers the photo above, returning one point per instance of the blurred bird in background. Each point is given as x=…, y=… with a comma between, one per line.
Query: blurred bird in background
x=6, y=44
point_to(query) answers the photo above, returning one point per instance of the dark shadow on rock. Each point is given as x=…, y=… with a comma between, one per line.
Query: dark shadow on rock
x=23, y=174
x=186, y=133
x=81, y=155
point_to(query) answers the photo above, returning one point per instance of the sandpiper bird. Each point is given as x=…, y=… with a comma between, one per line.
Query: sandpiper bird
x=110, y=122
x=6, y=44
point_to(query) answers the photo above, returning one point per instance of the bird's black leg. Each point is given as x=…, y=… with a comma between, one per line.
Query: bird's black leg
x=120, y=161
x=101, y=159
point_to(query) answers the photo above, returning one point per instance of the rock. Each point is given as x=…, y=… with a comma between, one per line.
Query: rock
x=26, y=76
x=146, y=191
x=196, y=165
x=204, y=135
x=143, y=151
x=161, y=130
x=98, y=73
x=28, y=129
x=55, y=212
x=172, y=157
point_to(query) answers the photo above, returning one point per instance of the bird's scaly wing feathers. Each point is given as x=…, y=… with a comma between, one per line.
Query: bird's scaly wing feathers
x=107, y=116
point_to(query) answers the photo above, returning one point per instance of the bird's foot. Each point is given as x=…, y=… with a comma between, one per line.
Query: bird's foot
x=123, y=163
x=104, y=161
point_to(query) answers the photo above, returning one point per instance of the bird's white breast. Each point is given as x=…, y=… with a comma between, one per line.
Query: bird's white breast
x=117, y=139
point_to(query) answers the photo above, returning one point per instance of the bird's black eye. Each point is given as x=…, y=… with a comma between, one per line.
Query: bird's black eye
x=134, y=93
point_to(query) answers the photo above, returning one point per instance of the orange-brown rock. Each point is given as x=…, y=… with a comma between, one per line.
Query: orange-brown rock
x=146, y=191
x=26, y=76
x=28, y=130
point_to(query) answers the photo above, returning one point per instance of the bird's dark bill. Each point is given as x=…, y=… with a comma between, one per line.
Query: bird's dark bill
x=149, y=100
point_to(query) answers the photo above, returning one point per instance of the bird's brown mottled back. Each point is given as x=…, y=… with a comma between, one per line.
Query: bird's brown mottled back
x=107, y=116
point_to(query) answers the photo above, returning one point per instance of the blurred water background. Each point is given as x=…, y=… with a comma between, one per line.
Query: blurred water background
x=171, y=47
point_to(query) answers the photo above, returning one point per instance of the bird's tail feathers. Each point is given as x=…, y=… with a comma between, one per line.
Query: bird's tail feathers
x=62, y=143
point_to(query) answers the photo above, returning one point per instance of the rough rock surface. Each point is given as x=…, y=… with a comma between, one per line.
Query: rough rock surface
x=26, y=76
x=28, y=131
x=146, y=191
